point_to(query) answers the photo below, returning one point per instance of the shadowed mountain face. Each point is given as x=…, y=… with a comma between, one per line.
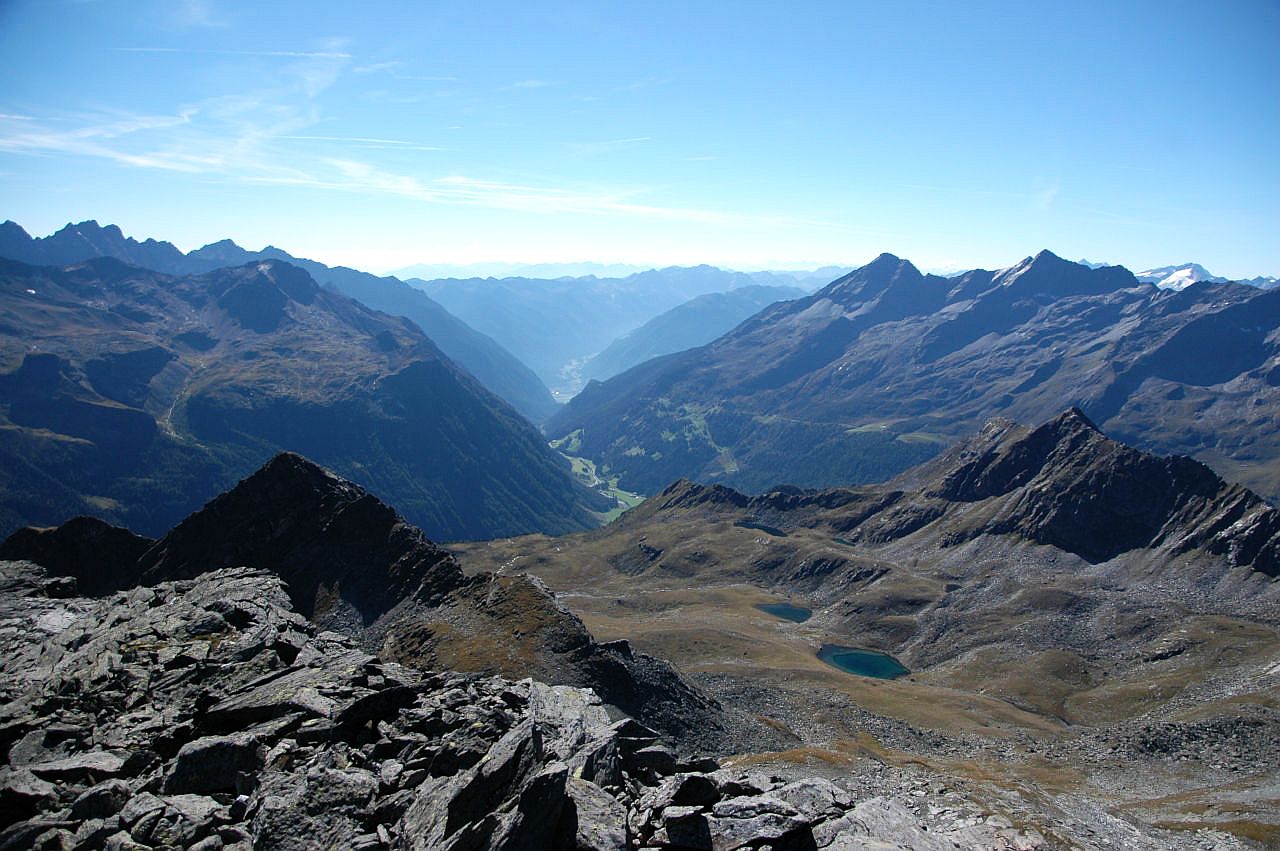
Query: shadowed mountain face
x=353, y=565
x=884, y=367
x=136, y=396
x=492, y=365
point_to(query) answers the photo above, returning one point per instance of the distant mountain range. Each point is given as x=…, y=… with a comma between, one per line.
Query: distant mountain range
x=885, y=366
x=555, y=326
x=136, y=395
x=495, y=367
x=552, y=271
x=699, y=320
x=547, y=271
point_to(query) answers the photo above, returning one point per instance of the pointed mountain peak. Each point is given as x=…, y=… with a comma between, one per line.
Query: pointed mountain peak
x=1001, y=459
x=1048, y=274
x=866, y=282
x=90, y=229
x=289, y=469
x=890, y=265
x=1073, y=420
x=257, y=291
x=70, y=229
x=343, y=552
x=221, y=245
x=10, y=228
x=1052, y=476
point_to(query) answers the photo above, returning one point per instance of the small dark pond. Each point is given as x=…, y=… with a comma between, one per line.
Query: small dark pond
x=864, y=663
x=786, y=611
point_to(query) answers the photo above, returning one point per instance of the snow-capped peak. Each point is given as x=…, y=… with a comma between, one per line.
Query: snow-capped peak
x=1177, y=277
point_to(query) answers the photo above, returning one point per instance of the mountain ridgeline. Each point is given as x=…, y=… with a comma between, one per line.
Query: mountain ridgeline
x=495, y=367
x=136, y=396
x=886, y=366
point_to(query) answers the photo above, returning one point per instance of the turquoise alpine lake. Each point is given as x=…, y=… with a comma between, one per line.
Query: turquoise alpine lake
x=786, y=611
x=864, y=663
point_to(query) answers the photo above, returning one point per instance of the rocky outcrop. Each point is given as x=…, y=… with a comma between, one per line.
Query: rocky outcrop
x=345, y=556
x=101, y=558
x=351, y=564
x=1066, y=484
x=206, y=713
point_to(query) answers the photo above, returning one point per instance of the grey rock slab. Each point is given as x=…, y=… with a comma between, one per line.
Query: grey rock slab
x=752, y=806
x=211, y=763
x=290, y=691
x=195, y=808
x=536, y=822
x=699, y=790
x=122, y=841
x=105, y=799
x=730, y=833
x=444, y=806
x=655, y=758
x=879, y=823
x=22, y=794
x=815, y=798
x=599, y=820
x=89, y=765
x=599, y=761
x=139, y=805
x=686, y=827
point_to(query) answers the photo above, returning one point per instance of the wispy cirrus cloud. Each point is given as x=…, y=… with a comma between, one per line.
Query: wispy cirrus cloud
x=281, y=54
x=607, y=145
x=1042, y=198
x=368, y=142
x=189, y=14
x=395, y=68
x=275, y=135
x=348, y=175
x=259, y=153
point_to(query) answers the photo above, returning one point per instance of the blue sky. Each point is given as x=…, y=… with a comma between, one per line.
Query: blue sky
x=742, y=134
